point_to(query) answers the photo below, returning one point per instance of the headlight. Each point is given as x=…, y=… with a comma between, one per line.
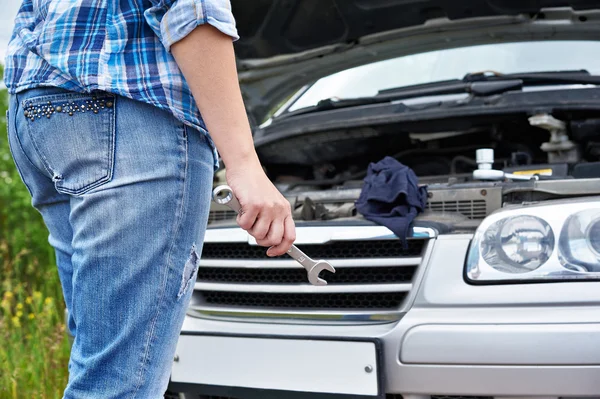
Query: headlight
x=519, y=244
x=580, y=242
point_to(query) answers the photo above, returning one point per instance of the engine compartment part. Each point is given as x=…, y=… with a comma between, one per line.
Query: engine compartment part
x=559, y=148
x=326, y=158
x=485, y=159
x=586, y=170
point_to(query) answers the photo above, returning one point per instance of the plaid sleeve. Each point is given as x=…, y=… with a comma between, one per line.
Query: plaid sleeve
x=172, y=20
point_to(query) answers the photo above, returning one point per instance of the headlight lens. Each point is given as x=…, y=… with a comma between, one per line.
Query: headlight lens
x=580, y=242
x=519, y=244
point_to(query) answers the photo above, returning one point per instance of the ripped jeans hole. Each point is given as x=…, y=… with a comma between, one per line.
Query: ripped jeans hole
x=56, y=177
x=189, y=270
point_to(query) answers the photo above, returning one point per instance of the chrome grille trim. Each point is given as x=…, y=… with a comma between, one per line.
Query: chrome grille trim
x=292, y=316
x=307, y=312
x=303, y=288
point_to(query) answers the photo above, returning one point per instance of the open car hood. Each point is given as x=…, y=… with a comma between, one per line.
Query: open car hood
x=287, y=44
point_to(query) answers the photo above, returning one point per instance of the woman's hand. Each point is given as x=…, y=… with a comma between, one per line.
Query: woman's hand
x=266, y=214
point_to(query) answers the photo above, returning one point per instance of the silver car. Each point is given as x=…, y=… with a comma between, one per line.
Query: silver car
x=496, y=292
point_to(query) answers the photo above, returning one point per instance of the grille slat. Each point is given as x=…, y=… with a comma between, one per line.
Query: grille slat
x=335, y=250
x=304, y=288
x=382, y=301
x=350, y=275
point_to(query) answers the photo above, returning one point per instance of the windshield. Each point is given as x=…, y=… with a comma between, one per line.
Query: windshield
x=367, y=80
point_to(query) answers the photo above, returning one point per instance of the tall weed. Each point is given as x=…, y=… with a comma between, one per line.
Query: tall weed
x=35, y=349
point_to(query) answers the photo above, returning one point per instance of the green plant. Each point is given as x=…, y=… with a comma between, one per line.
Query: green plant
x=35, y=348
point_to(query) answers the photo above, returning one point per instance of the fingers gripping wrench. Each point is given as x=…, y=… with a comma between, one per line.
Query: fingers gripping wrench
x=224, y=195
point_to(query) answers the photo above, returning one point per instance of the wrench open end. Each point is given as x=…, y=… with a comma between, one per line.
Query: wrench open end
x=313, y=273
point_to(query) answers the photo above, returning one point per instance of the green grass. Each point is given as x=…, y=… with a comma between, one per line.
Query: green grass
x=34, y=347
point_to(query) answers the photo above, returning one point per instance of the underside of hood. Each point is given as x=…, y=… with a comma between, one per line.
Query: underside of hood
x=286, y=44
x=275, y=27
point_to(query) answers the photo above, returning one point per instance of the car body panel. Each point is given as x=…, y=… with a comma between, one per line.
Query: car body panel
x=506, y=323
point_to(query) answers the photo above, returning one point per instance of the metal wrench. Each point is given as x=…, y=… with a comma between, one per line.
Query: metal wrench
x=224, y=195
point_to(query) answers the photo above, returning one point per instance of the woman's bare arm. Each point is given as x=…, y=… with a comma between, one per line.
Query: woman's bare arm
x=207, y=61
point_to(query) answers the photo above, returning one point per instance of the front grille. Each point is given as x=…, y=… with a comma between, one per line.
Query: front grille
x=382, y=301
x=335, y=250
x=473, y=209
x=372, y=281
x=350, y=275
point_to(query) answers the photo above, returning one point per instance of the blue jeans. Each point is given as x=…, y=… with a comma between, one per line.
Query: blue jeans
x=124, y=189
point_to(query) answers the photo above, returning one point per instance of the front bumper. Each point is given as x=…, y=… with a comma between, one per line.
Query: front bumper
x=535, y=340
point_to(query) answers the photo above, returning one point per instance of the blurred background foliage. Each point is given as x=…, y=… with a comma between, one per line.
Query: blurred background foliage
x=35, y=348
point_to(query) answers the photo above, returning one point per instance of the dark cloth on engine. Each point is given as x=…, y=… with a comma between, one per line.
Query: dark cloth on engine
x=391, y=196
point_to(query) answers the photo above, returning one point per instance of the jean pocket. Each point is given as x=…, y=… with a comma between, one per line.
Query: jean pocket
x=74, y=136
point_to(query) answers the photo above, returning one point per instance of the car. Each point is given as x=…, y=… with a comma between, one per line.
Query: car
x=495, y=291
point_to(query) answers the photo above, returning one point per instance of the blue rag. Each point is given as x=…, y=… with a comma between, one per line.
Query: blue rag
x=391, y=196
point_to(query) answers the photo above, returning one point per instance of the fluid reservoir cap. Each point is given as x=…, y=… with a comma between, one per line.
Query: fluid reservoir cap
x=485, y=158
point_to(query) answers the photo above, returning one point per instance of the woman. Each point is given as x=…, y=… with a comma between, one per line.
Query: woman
x=111, y=103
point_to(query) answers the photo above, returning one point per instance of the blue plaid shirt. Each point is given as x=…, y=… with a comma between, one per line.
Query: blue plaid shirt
x=118, y=46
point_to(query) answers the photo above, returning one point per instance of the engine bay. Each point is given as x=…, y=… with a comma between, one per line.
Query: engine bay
x=554, y=146
x=540, y=157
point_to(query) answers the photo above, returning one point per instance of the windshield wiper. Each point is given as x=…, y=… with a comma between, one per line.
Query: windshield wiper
x=540, y=78
x=476, y=84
